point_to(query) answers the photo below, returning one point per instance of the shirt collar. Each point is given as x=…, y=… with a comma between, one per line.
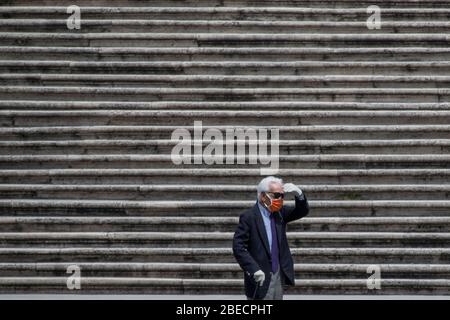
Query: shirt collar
x=263, y=209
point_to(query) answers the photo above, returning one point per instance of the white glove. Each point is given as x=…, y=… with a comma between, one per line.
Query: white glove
x=290, y=187
x=259, y=277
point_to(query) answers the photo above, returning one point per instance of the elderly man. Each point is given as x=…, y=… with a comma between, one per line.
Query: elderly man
x=260, y=245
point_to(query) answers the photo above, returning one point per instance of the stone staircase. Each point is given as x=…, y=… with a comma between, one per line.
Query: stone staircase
x=86, y=118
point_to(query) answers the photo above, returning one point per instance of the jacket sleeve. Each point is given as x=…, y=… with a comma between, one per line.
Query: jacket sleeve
x=301, y=209
x=240, y=246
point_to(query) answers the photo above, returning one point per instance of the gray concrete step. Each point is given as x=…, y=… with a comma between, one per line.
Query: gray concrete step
x=211, y=286
x=220, y=270
x=165, y=161
x=417, y=54
x=219, y=94
x=11, y=118
x=232, y=3
x=216, y=224
x=314, y=69
x=347, y=255
x=195, y=24
x=311, y=132
x=226, y=81
x=225, y=105
x=271, y=11
x=216, y=191
x=207, y=105
x=286, y=147
x=221, y=39
x=325, y=208
x=303, y=239
x=212, y=175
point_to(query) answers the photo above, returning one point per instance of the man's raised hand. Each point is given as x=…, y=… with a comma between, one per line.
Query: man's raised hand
x=290, y=187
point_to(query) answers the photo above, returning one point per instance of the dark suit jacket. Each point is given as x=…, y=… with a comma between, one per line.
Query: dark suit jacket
x=251, y=245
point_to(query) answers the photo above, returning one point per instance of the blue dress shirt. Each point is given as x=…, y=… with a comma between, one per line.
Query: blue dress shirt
x=266, y=218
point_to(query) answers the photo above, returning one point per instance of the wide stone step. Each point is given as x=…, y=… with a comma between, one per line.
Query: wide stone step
x=224, y=255
x=210, y=286
x=160, y=146
x=220, y=94
x=310, y=132
x=217, y=224
x=166, y=161
x=206, y=105
x=225, y=81
x=217, y=207
x=217, y=191
x=212, y=175
x=220, y=270
x=315, y=70
x=278, y=11
x=223, y=24
x=219, y=239
x=218, y=117
x=220, y=39
x=400, y=4
x=301, y=56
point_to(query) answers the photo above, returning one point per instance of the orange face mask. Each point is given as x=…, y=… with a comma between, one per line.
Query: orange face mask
x=275, y=204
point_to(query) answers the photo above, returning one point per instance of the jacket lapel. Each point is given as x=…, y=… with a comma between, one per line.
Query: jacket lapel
x=261, y=228
x=278, y=227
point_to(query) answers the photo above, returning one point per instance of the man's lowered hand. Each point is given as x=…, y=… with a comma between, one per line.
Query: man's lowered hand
x=259, y=277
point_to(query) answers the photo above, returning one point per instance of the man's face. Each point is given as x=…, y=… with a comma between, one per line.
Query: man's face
x=273, y=188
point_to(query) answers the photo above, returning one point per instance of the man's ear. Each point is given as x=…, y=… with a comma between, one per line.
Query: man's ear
x=264, y=198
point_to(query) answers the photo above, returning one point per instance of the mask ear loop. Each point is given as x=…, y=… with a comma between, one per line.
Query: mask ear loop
x=265, y=205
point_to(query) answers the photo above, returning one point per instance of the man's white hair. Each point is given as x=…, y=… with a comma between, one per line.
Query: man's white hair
x=264, y=185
